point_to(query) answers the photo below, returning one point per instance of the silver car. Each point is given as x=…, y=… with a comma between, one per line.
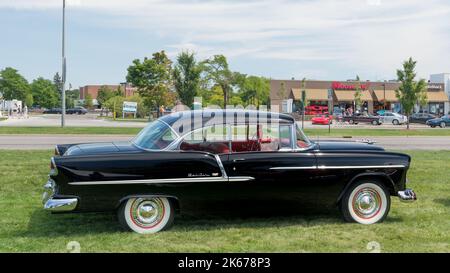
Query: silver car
x=394, y=118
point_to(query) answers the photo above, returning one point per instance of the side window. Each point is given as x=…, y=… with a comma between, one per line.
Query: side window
x=274, y=138
x=209, y=139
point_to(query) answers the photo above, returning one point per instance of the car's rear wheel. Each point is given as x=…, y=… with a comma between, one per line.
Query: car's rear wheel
x=366, y=202
x=395, y=122
x=374, y=122
x=146, y=215
x=351, y=121
x=442, y=125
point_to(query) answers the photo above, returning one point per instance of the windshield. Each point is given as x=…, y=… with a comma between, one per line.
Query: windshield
x=302, y=140
x=156, y=136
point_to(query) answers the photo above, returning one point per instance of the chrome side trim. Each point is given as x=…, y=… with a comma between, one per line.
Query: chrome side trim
x=60, y=205
x=338, y=167
x=360, y=167
x=152, y=181
x=241, y=178
x=164, y=181
x=222, y=169
x=295, y=168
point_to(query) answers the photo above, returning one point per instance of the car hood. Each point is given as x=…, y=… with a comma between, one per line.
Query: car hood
x=102, y=148
x=337, y=145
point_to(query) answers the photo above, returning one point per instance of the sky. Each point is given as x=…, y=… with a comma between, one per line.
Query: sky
x=279, y=39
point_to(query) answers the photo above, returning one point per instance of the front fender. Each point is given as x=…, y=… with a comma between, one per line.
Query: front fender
x=383, y=176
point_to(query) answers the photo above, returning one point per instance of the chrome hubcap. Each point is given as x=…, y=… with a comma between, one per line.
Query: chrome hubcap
x=147, y=213
x=367, y=203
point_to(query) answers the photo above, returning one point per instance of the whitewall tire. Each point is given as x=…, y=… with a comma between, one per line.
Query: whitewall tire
x=366, y=202
x=146, y=215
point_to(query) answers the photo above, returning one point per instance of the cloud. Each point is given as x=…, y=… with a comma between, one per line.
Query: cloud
x=365, y=35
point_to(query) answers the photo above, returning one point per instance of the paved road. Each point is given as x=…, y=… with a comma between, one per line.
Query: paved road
x=26, y=142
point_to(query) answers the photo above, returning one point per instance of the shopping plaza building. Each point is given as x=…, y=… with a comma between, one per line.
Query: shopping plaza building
x=287, y=95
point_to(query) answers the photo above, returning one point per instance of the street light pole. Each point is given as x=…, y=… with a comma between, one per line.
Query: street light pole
x=63, y=84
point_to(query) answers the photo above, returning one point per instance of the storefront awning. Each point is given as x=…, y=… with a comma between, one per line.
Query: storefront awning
x=437, y=96
x=311, y=94
x=349, y=95
x=389, y=95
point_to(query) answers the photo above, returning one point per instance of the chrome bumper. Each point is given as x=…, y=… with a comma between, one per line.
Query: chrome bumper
x=56, y=205
x=407, y=195
x=60, y=205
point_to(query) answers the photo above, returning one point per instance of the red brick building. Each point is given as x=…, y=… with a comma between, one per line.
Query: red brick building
x=93, y=90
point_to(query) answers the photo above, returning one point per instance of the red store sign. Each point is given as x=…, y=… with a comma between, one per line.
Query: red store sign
x=343, y=86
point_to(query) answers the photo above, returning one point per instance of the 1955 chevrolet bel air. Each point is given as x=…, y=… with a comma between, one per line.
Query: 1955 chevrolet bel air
x=210, y=156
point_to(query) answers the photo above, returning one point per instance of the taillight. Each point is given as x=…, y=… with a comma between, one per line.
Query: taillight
x=56, y=151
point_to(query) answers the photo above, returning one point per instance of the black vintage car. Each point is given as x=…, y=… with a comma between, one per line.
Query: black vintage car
x=241, y=158
x=53, y=111
x=421, y=118
x=361, y=118
x=78, y=110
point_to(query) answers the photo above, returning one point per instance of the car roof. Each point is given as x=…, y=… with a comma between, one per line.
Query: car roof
x=186, y=121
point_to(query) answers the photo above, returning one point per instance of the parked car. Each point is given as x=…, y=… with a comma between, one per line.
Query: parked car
x=53, y=111
x=380, y=112
x=238, y=159
x=79, y=110
x=421, y=117
x=441, y=122
x=361, y=118
x=322, y=119
x=394, y=118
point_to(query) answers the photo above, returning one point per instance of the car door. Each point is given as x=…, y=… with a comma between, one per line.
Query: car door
x=389, y=118
x=446, y=120
x=280, y=173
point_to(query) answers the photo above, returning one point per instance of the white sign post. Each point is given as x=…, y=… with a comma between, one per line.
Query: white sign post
x=129, y=107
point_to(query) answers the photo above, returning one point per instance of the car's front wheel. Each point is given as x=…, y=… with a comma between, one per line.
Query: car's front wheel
x=442, y=125
x=395, y=122
x=366, y=202
x=146, y=215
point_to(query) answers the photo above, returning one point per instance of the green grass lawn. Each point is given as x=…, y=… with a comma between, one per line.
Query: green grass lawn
x=312, y=133
x=422, y=226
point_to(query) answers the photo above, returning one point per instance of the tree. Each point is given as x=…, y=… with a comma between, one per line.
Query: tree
x=410, y=91
x=152, y=77
x=358, y=93
x=88, y=101
x=217, y=72
x=115, y=104
x=282, y=93
x=57, y=81
x=255, y=90
x=13, y=85
x=186, y=76
x=104, y=94
x=45, y=93
x=72, y=95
